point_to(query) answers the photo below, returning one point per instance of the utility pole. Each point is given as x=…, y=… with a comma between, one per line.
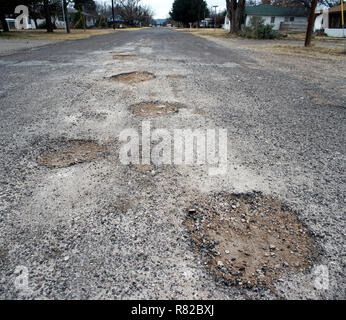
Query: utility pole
x=113, y=18
x=64, y=13
x=215, y=17
x=342, y=18
x=310, y=24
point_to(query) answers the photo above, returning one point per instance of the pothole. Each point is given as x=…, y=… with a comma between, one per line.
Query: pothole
x=124, y=56
x=157, y=108
x=249, y=240
x=200, y=112
x=141, y=167
x=70, y=152
x=176, y=76
x=133, y=77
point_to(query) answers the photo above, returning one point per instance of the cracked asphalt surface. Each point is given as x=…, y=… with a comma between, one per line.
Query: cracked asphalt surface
x=102, y=230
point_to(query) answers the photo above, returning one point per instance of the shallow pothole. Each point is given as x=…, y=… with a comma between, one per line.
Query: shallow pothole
x=157, y=108
x=176, y=76
x=200, y=112
x=133, y=77
x=249, y=240
x=70, y=152
x=124, y=56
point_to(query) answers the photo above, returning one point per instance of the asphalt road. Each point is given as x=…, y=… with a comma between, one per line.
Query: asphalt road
x=102, y=230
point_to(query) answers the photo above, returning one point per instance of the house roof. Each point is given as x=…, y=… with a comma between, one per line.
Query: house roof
x=337, y=8
x=269, y=10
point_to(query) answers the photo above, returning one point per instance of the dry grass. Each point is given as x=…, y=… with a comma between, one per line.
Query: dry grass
x=335, y=45
x=57, y=35
x=209, y=33
x=313, y=51
x=300, y=36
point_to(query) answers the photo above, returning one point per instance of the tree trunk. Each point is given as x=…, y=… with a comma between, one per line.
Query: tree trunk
x=310, y=24
x=67, y=23
x=4, y=22
x=235, y=12
x=199, y=13
x=49, y=25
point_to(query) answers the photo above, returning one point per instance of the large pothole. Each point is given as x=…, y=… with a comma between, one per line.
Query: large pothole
x=70, y=152
x=133, y=77
x=157, y=108
x=249, y=240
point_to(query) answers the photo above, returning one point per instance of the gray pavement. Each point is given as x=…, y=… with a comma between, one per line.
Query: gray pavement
x=101, y=230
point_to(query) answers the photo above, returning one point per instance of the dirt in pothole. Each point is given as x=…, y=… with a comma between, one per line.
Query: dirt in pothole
x=71, y=152
x=200, y=112
x=249, y=240
x=176, y=76
x=141, y=167
x=124, y=56
x=147, y=109
x=133, y=77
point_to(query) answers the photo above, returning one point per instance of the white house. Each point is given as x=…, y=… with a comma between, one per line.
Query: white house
x=57, y=19
x=207, y=22
x=282, y=18
x=329, y=21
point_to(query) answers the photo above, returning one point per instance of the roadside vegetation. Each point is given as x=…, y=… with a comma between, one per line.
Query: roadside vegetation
x=259, y=30
x=57, y=35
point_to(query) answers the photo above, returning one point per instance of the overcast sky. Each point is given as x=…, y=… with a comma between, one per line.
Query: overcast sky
x=162, y=7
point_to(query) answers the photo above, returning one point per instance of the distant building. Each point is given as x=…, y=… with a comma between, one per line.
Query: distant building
x=329, y=21
x=57, y=20
x=207, y=23
x=281, y=18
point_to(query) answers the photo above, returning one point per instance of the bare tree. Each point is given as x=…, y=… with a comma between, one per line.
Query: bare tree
x=134, y=13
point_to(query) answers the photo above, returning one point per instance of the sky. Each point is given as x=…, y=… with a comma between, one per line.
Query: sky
x=161, y=8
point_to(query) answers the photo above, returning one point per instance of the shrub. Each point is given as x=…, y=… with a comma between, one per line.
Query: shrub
x=258, y=30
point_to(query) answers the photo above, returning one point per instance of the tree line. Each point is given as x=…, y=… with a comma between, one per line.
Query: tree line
x=132, y=12
x=191, y=11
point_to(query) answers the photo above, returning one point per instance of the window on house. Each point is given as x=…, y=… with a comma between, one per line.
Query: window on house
x=286, y=19
x=291, y=18
x=272, y=20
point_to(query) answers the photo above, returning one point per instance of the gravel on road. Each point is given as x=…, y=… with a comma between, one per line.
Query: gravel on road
x=99, y=229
